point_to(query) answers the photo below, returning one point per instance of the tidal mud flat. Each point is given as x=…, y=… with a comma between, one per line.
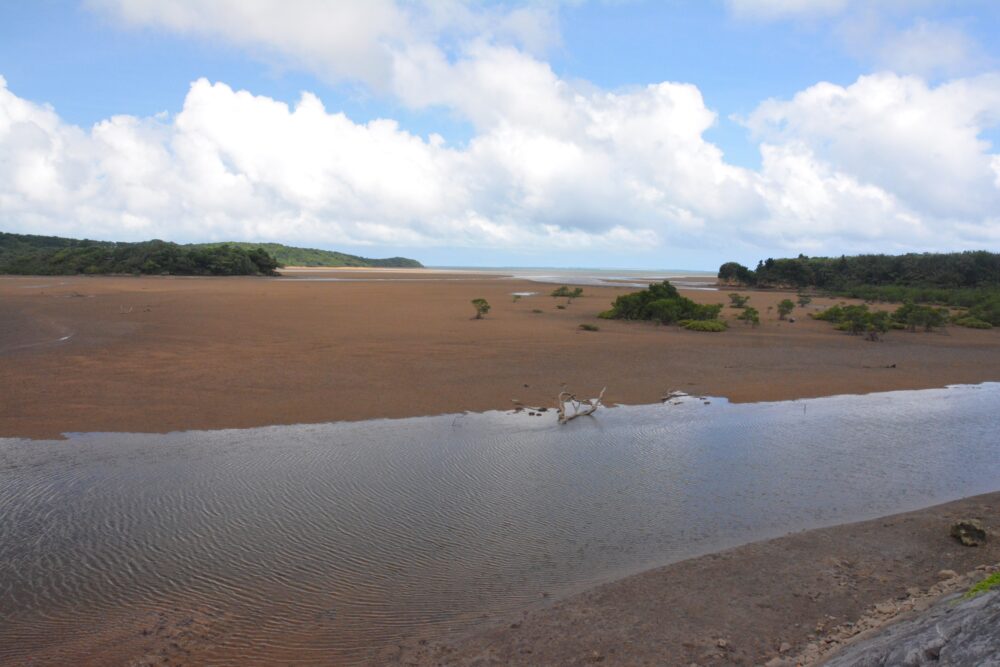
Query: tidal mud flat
x=163, y=354
x=344, y=542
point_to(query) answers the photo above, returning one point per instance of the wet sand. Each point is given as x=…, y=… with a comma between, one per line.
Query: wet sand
x=161, y=354
x=787, y=600
x=781, y=602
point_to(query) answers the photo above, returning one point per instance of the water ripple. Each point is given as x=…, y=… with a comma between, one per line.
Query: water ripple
x=319, y=544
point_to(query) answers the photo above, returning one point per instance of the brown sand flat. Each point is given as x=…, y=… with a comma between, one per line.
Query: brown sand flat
x=737, y=607
x=160, y=354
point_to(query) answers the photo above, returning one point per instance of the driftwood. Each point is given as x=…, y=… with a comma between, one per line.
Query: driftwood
x=580, y=407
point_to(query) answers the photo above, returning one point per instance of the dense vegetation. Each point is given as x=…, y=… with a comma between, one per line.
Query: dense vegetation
x=54, y=255
x=290, y=256
x=858, y=319
x=928, y=270
x=961, y=280
x=662, y=303
x=50, y=255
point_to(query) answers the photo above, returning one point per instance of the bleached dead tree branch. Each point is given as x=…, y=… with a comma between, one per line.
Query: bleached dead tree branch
x=580, y=407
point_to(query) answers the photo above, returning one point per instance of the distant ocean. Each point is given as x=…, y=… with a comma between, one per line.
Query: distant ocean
x=583, y=276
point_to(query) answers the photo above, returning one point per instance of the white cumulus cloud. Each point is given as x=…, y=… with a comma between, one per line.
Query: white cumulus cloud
x=920, y=143
x=889, y=162
x=627, y=169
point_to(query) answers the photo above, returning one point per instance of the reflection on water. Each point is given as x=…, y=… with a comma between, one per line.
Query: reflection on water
x=321, y=543
x=699, y=280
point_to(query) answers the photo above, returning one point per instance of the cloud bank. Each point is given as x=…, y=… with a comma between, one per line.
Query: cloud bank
x=887, y=163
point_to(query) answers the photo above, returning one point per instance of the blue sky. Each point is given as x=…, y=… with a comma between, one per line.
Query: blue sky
x=544, y=121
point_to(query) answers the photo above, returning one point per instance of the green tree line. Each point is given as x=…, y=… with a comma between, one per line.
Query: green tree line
x=40, y=255
x=972, y=269
x=968, y=280
x=292, y=256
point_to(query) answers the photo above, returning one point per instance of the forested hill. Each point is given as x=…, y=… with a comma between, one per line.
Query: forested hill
x=52, y=255
x=973, y=269
x=27, y=254
x=291, y=256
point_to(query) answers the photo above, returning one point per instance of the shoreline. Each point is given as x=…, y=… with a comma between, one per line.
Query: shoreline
x=502, y=410
x=790, y=600
x=786, y=601
x=159, y=354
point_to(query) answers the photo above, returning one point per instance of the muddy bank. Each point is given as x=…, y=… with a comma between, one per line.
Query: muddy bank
x=745, y=606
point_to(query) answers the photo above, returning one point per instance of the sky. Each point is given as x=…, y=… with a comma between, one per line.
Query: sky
x=662, y=134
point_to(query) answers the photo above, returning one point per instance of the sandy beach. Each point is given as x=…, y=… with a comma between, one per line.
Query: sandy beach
x=162, y=354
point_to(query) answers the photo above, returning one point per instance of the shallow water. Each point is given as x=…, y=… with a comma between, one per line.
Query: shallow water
x=321, y=543
x=602, y=277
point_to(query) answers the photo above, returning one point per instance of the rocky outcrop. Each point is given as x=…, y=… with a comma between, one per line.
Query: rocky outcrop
x=954, y=632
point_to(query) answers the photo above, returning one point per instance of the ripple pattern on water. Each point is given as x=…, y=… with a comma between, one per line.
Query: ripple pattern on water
x=320, y=543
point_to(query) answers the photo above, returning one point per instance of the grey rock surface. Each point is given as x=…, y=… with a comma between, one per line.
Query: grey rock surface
x=955, y=632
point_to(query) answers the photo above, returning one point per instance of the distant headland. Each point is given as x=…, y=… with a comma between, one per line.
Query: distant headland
x=27, y=254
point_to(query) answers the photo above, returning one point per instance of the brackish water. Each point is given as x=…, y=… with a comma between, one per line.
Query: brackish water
x=321, y=543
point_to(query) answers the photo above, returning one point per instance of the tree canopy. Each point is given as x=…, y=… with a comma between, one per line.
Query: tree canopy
x=943, y=270
x=41, y=255
x=662, y=303
x=291, y=256
x=960, y=279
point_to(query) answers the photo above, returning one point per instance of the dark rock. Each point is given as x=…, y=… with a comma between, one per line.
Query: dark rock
x=969, y=532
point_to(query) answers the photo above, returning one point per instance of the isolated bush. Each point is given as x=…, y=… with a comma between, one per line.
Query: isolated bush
x=705, y=325
x=660, y=302
x=927, y=317
x=567, y=292
x=750, y=315
x=785, y=307
x=589, y=327
x=738, y=300
x=832, y=314
x=857, y=320
x=482, y=307
x=987, y=310
x=973, y=323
